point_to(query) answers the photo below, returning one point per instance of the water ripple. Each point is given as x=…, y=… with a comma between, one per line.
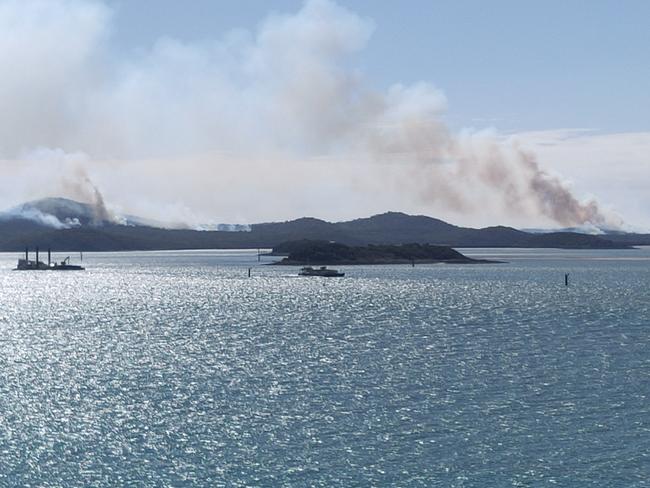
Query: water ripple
x=154, y=369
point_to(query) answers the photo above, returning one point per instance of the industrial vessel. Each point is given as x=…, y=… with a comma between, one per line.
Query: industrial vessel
x=37, y=265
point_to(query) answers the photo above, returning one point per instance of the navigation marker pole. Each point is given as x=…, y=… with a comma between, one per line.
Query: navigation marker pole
x=566, y=279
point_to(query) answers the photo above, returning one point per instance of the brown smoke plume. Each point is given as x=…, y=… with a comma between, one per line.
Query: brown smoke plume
x=78, y=185
x=476, y=172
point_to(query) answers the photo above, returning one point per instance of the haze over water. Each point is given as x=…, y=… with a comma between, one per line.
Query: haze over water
x=175, y=369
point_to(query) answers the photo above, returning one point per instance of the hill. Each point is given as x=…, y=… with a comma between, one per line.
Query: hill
x=629, y=239
x=307, y=252
x=67, y=225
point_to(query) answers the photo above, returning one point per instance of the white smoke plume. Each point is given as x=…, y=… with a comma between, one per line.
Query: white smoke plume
x=275, y=123
x=49, y=220
x=54, y=173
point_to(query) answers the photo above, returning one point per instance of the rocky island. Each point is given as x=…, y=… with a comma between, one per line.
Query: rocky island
x=307, y=252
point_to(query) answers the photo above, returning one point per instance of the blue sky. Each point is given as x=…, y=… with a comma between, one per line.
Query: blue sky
x=512, y=64
x=531, y=114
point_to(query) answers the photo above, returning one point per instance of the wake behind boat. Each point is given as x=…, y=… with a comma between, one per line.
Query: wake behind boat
x=322, y=271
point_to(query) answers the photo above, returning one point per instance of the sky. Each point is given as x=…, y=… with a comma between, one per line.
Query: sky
x=518, y=65
x=481, y=113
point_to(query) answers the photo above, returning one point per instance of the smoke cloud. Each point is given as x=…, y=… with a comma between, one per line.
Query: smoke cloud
x=47, y=172
x=24, y=212
x=78, y=185
x=249, y=126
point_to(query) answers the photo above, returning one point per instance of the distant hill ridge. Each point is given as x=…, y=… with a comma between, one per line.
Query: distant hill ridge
x=18, y=231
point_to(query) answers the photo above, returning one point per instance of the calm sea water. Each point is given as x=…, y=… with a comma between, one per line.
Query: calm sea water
x=176, y=369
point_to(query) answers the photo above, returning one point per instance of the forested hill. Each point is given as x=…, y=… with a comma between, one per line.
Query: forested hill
x=17, y=232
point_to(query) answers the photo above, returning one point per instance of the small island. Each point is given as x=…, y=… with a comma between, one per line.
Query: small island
x=308, y=252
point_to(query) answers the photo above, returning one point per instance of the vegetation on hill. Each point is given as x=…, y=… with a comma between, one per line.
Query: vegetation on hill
x=306, y=252
x=629, y=239
x=391, y=228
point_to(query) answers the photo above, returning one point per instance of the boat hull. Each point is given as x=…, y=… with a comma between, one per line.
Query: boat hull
x=323, y=271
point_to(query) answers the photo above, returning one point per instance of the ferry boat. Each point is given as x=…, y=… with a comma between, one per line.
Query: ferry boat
x=322, y=271
x=37, y=265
